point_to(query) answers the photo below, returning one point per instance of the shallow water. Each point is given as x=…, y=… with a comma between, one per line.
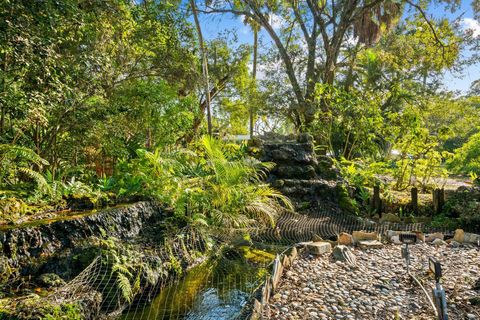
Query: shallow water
x=213, y=290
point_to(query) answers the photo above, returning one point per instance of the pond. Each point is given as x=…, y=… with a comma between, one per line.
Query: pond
x=217, y=289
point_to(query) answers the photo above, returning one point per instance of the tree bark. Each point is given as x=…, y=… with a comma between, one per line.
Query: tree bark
x=254, y=74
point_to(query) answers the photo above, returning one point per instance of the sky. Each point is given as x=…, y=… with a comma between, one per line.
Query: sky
x=213, y=25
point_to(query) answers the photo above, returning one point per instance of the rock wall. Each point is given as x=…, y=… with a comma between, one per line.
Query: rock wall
x=21, y=247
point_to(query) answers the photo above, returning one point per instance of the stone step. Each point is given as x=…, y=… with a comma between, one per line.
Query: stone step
x=289, y=153
x=299, y=172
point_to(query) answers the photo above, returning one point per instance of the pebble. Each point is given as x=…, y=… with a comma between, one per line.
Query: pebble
x=319, y=288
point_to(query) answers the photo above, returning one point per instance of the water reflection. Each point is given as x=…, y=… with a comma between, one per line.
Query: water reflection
x=214, y=290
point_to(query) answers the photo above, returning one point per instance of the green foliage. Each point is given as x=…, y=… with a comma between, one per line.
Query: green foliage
x=17, y=165
x=467, y=158
x=360, y=173
x=463, y=208
x=34, y=307
x=349, y=126
x=211, y=186
x=420, y=159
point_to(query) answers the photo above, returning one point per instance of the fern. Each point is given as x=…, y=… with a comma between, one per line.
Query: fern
x=10, y=152
x=38, y=178
x=16, y=159
x=123, y=284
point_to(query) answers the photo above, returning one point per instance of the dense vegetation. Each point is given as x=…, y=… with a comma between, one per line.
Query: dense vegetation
x=116, y=100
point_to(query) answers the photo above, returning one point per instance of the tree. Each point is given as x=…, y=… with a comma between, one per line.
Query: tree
x=314, y=39
x=204, y=66
x=62, y=62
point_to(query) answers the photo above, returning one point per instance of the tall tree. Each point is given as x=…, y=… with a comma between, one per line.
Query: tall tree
x=204, y=66
x=255, y=28
x=312, y=39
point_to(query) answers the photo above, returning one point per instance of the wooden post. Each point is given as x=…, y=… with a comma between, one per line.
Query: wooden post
x=414, y=193
x=441, y=199
x=377, y=202
x=438, y=200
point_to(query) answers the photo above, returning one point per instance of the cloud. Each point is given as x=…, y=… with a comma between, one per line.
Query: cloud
x=471, y=25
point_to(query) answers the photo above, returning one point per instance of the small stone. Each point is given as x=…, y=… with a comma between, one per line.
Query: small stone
x=454, y=244
x=362, y=235
x=431, y=237
x=459, y=236
x=471, y=238
x=471, y=316
x=370, y=244
x=345, y=239
x=343, y=253
x=319, y=248
x=438, y=242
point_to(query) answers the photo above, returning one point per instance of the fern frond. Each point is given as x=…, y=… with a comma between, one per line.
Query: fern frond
x=123, y=284
x=14, y=152
x=37, y=177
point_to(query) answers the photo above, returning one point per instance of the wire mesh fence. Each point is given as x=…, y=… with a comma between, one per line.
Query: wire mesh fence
x=179, y=283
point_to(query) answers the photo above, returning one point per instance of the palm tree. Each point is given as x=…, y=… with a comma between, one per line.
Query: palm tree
x=237, y=195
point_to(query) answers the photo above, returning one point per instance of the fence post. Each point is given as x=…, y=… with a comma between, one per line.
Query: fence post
x=438, y=200
x=377, y=202
x=414, y=193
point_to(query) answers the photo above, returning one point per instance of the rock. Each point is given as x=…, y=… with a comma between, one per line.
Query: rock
x=316, y=238
x=370, y=244
x=345, y=239
x=362, y=235
x=471, y=238
x=50, y=280
x=433, y=236
x=454, y=244
x=438, y=242
x=471, y=316
x=319, y=248
x=390, y=217
x=459, y=236
x=475, y=301
x=344, y=254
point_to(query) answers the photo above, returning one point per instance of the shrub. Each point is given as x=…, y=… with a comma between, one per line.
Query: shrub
x=211, y=186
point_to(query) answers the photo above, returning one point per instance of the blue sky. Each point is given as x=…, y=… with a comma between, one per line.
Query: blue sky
x=212, y=25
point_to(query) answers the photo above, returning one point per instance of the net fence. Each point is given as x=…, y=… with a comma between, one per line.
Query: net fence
x=174, y=280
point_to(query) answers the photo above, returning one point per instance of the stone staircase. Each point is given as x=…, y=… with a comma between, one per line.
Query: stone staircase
x=308, y=179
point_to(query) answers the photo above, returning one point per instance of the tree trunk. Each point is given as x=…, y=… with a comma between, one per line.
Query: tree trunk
x=254, y=74
x=3, y=109
x=204, y=66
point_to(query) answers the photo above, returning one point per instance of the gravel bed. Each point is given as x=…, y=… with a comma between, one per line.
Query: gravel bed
x=378, y=287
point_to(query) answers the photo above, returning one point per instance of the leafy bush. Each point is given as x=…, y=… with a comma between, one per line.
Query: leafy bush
x=463, y=206
x=211, y=185
x=467, y=158
x=360, y=173
x=19, y=168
